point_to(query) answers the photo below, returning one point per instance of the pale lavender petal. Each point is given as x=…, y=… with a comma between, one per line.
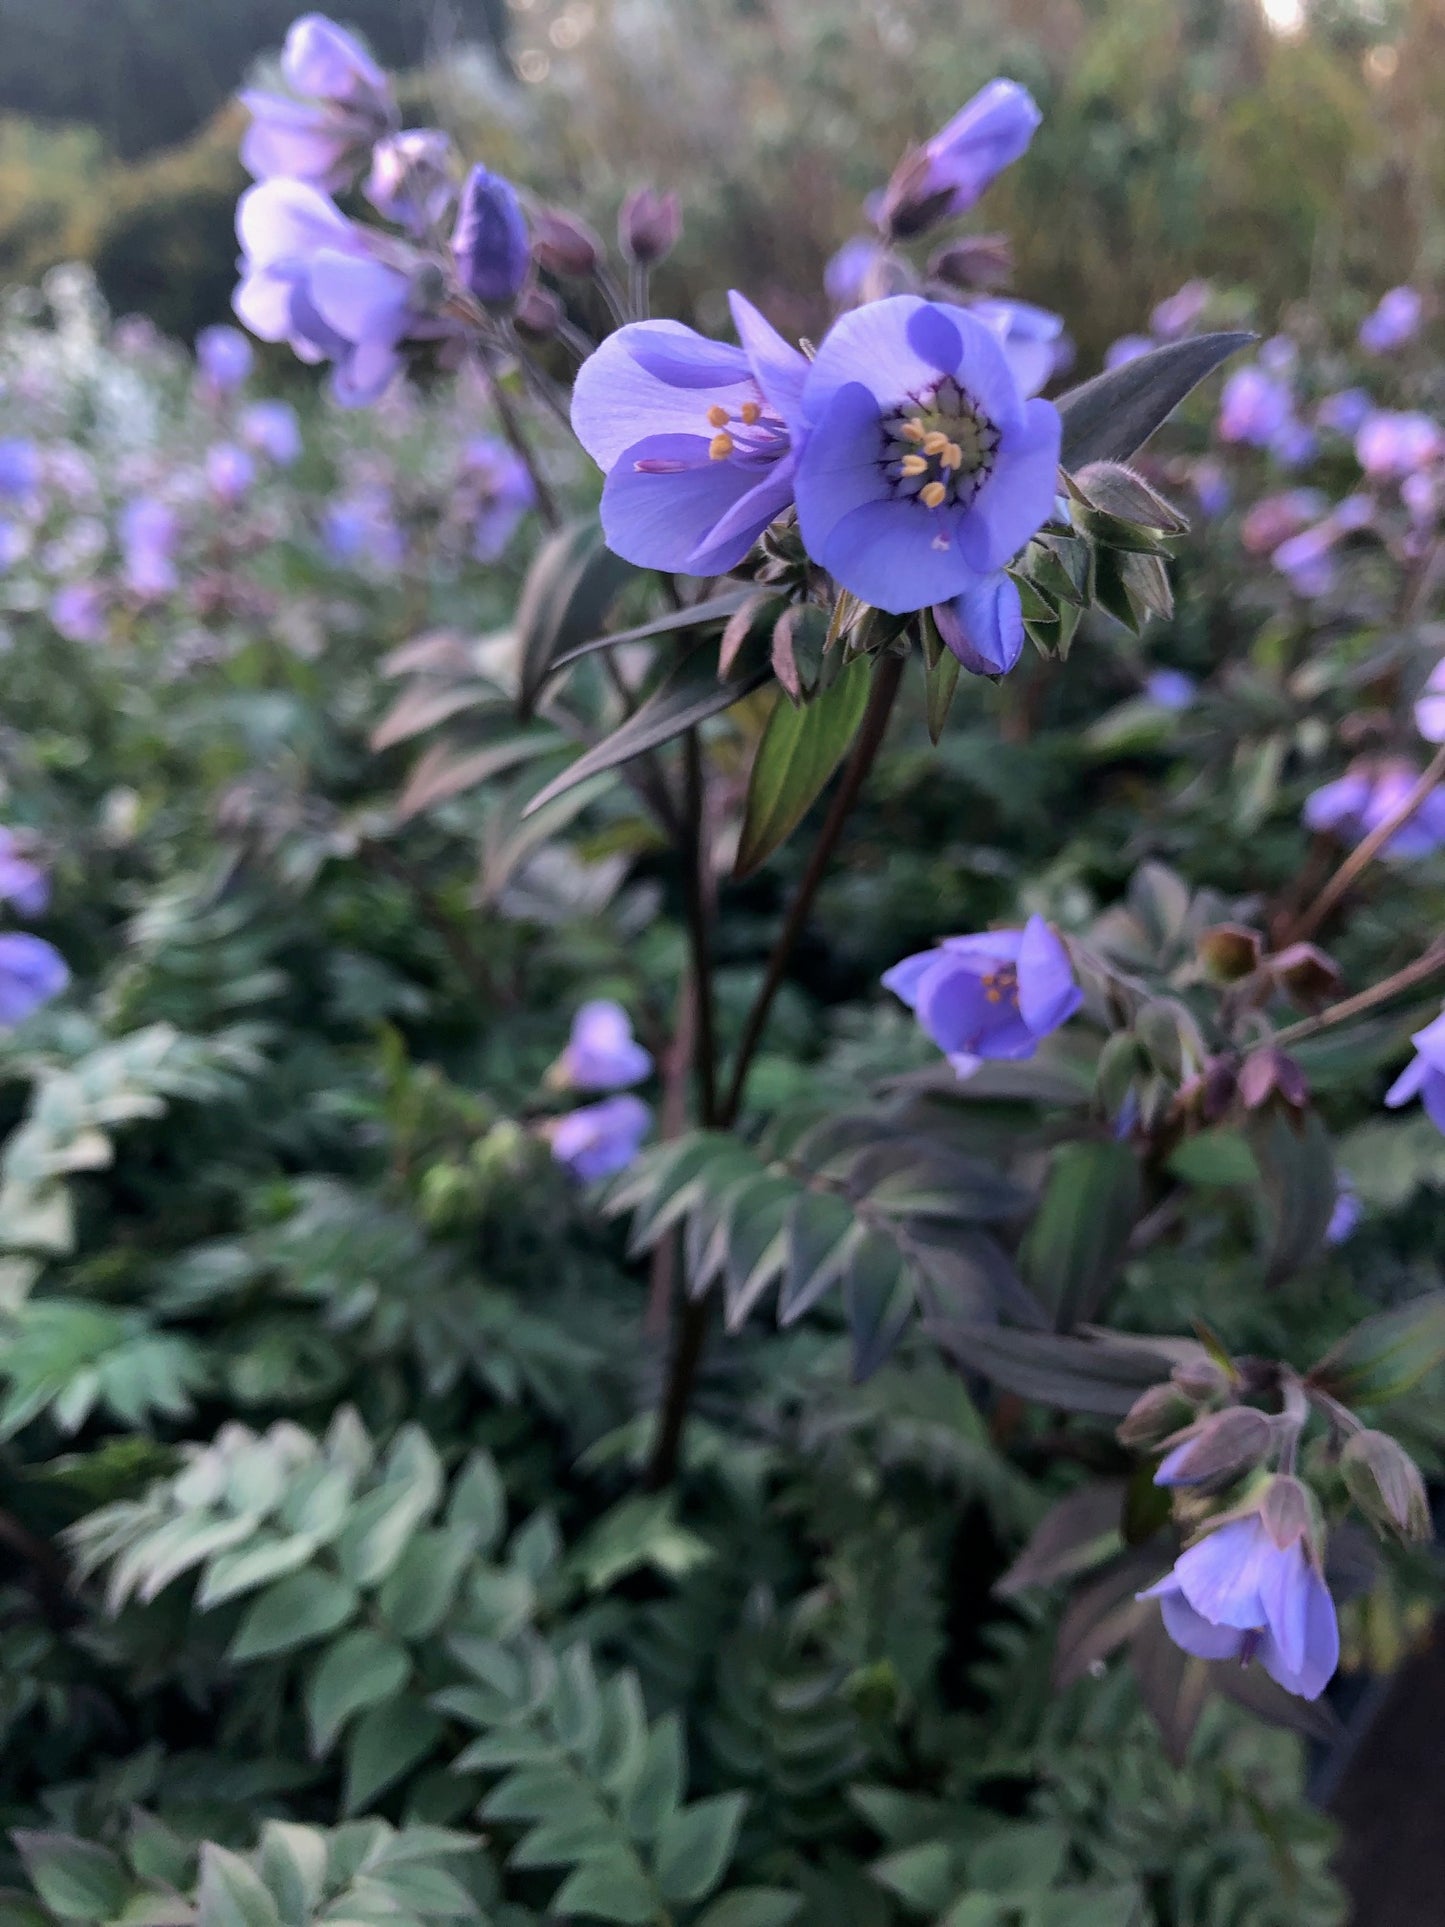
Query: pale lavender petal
x=1432, y=1096
x=1048, y=995
x=841, y=470
x=617, y=401
x=780, y=368
x=905, y=977
x=984, y=625
x=1019, y=495
x=659, y=520
x=895, y=554
x=363, y=300
x=1283, y=1591
x=31, y=973
x=1191, y=1632
x=1321, y=1645
x=735, y=532
x=284, y=220
x=1220, y=1575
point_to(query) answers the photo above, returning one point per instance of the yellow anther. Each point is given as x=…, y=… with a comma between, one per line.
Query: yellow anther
x=913, y=465
x=720, y=447
x=932, y=495
x=717, y=415
x=934, y=442
x=750, y=411
x=994, y=996
x=953, y=456
x=912, y=431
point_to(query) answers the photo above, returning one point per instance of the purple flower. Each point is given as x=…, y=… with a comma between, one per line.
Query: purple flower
x=1391, y=444
x=271, y=428
x=19, y=468
x=1345, y=1218
x=1430, y=706
x=22, y=882
x=1294, y=443
x=1274, y=518
x=362, y=528
x=1178, y=312
x=325, y=62
x=600, y=1139
x=1127, y=348
x=230, y=472
x=694, y=436
x=411, y=179
x=1307, y=560
x=1343, y=411
x=31, y=973
x=1245, y=1591
x=990, y=996
x=924, y=468
x=946, y=176
x=601, y=1053
x=490, y=243
x=1425, y=1076
x=847, y=277
x=224, y=357
x=324, y=136
x=1210, y=483
x=1358, y=802
x=1394, y=321
x=78, y=611
x=984, y=625
x=147, y=535
x=497, y=478
x=1032, y=339
x=1170, y=688
x=1253, y=407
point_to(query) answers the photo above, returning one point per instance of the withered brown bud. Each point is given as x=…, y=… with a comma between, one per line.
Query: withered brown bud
x=1385, y=1483
x=1272, y=1073
x=1154, y=1416
x=1230, y=951
x=565, y=245
x=1218, y=1448
x=1309, y=976
x=975, y=263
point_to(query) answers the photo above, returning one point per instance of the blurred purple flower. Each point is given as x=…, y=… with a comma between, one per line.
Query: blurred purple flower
x=694, y=437
x=1395, y=320
x=1344, y=411
x=1274, y=518
x=22, y=882
x=1246, y=1592
x=411, y=180
x=1424, y=1076
x=147, y=533
x=948, y=174
x=1253, y=408
x=230, y=472
x=1430, y=706
x=924, y=470
x=1127, y=348
x=601, y=1053
x=990, y=996
x=1032, y=339
x=1307, y=560
x=1391, y=444
x=271, y=428
x=14, y=543
x=1170, y=689
x=490, y=243
x=362, y=528
x=497, y=478
x=1293, y=444
x=1178, y=312
x=1279, y=356
x=847, y=274
x=1421, y=494
x=600, y=1139
x=324, y=136
x=31, y=973
x=1345, y=1218
x=325, y=62
x=1208, y=479
x=79, y=612
x=1357, y=803
x=223, y=358
x=19, y=468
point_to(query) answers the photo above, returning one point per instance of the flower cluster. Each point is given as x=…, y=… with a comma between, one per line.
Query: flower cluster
x=597, y=1140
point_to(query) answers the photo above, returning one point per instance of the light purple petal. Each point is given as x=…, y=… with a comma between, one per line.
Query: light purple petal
x=283, y=220
x=1048, y=995
x=1320, y=1654
x=984, y=625
x=363, y=300
x=660, y=520
x=633, y=387
x=895, y=554
x=1191, y=1632
x=1220, y=1576
x=780, y=368
x=1432, y=1096
x=1408, y=1084
x=735, y=532
x=31, y=973
x=841, y=468
x=1018, y=497
x=1284, y=1594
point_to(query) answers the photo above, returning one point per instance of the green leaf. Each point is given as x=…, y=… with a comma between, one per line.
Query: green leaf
x=293, y=1865
x=1109, y=418
x=385, y=1744
x=419, y=1593
x=1386, y=1355
x=231, y=1893
x=820, y=1231
x=75, y=1878
x=878, y=1296
x=1297, y=1163
x=923, y=1876
x=292, y=1613
x=573, y=581
x=695, y=1844
x=611, y=1887
x=360, y=1670
x=1079, y=1236
x=659, y=1787
x=1217, y=1156
x=690, y=694
x=941, y=670
x=799, y=751
x=752, y=1907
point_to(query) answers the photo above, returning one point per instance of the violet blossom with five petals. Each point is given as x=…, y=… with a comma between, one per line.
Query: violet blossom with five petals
x=602, y=1054
x=996, y=995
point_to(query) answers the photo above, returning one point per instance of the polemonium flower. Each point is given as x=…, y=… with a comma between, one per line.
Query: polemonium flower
x=362, y=527
x=31, y=973
x=1210, y=482
x=1364, y=798
x=1274, y=518
x=1032, y=338
x=1307, y=561
x=148, y=532
x=1253, y=407
x=1430, y=707
x=1348, y=1211
x=490, y=243
x=1293, y=444
x=990, y=996
x=271, y=428
x=22, y=882
x=1424, y=1077
x=1392, y=443
x=1279, y=356
x=600, y=1139
x=1344, y=411
x=230, y=471
x=602, y=1054
x=1170, y=689
x=19, y=468
x=1252, y=1589
x=79, y=612
x=496, y=477
x=1126, y=349
x=695, y=438
x=984, y=625
x=324, y=136
x=1178, y=312
x=224, y=358
x=14, y=543
x=411, y=180
x=846, y=277
x=925, y=469
x=1421, y=495
x=947, y=175
x=1395, y=320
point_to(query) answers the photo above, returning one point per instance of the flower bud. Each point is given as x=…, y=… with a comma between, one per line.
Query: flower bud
x=1218, y=1448
x=648, y=226
x=1230, y=951
x=975, y=263
x=1307, y=974
x=1200, y=1379
x=1385, y=1483
x=1291, y=1512
x=563, y=244
x=493, y=253
x=1158, y=1031
x=538, y=313
x=1270, y=1072
x=1154, y=1416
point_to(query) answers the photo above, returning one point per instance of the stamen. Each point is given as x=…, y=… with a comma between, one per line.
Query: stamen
x=994, y=996
x=932, y=495
x=913, y=465
x=720, y=447
x=750, y=411
x=934, y=442
x=953, y=456
x=913, y=430
x=717, y=415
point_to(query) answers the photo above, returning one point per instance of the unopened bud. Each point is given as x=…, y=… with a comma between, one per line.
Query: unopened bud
x=1154, y=1416
x=1158, y=1031
x=490, y=240
x=1200, y=1379
x=1385, y=1483
x=1124, y=495
x=1290, y=1512
x=649, y=225
x=975, y=263
x=1269, y=1073
x=538, y=313
x=426, y=288
x=1218, y=1448
x=1230, y=951
x=1309, y=976
x=563, y=244
x=1218, y=1087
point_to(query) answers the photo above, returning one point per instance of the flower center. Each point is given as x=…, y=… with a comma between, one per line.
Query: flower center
x=750, y=430
x=1001, y=985
x=942, y=449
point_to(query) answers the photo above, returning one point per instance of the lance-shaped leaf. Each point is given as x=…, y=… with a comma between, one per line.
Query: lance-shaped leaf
x=713, y=613
x=572, y=583
x=800, y=749
x=1100, y=1375
x=1300, y=1188
x=1387, y=1354
x=1109, y=418
x=688, y=696
x=1079, y=1237
x=1081, y=1531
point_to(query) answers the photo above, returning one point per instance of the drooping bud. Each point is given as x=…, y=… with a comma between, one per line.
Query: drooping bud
x=490, y=243
x=1218, y=1448
x=1200, y=1379
x=1268, y=1073
x=538, y=313
x=563, y=244
x=1385, y=1483
x=648, y=226
x=411, y=179
x=1291, y=1512
x=1309, y=976
x=1154, y=1416
x=1230, y=951
x=975, y=263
